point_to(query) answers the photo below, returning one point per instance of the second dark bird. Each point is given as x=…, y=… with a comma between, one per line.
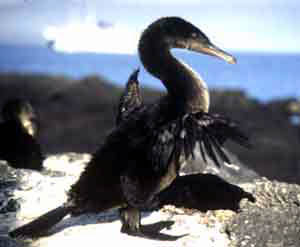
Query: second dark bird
x=18, y=144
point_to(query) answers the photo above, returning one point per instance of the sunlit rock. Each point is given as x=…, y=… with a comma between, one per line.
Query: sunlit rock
x=26, y=194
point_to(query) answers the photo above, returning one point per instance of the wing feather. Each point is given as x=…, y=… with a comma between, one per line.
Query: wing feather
x=131, y=98
x=210, y=150
x=207, y=132
x=219, y=149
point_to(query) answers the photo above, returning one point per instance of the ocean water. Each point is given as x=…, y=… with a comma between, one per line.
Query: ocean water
x=263, y=76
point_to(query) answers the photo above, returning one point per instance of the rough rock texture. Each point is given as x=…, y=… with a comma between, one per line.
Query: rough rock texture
x=218, y=215
x=273, y=221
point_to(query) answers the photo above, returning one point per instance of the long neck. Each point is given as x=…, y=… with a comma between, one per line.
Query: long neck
x=185, y=88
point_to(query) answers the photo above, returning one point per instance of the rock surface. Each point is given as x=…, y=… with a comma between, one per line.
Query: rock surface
x=272, y=221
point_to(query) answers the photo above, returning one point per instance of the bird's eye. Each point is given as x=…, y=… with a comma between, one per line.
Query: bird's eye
x=194, y=35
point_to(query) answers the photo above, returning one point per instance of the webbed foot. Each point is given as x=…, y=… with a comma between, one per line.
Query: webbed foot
x=131, y=225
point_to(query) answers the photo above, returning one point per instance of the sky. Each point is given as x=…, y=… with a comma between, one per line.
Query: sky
x=114, y=26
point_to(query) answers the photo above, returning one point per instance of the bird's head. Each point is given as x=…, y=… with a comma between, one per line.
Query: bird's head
x=20, y=111
x=178, y=33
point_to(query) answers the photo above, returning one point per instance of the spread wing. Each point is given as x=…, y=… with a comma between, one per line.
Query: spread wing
x=131, y=98
x=179, y=139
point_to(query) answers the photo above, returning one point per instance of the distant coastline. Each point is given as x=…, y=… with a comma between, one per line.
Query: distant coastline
x=264, y=76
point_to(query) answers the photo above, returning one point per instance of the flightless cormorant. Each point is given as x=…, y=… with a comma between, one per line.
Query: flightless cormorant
x=18, y=145
x=143, y=154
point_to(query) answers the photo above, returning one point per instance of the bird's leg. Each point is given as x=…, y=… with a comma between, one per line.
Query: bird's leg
x=140, y=194
x=131, y=220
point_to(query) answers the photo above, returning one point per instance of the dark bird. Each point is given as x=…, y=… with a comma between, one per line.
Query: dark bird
x=145, y=151
x=18, y=145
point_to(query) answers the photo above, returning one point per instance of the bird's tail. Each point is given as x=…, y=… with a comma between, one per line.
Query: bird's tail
x=43, y=223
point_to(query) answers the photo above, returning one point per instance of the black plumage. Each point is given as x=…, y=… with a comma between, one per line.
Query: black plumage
x=145, y=151
x=18, y=145
x=131, y=98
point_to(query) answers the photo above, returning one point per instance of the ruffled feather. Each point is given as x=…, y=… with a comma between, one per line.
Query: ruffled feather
x=180, y=138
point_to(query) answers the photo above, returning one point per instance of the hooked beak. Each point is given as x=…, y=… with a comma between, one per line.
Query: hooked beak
x=212, y=50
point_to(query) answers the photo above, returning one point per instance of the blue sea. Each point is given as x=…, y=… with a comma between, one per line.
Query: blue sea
x=264, y=76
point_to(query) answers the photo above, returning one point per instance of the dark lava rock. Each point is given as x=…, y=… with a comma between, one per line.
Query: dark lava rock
x=5, y=241
x=8, y=182
x=273, y=221
x=11, y=206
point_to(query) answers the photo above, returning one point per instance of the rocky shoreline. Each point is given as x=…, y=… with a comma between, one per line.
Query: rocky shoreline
x=272, y=219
